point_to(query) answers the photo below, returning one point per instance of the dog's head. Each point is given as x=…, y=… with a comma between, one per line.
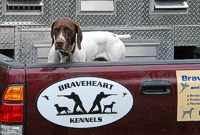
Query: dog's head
x=64, y=32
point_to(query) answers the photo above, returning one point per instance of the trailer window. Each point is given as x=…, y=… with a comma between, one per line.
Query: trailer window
x=186, y=52
x=168, y=7
x=96, y=6
x=8, y=53
x=22, y=7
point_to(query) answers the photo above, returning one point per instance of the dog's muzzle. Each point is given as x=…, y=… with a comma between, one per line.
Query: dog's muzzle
x=68, y=54
x=59, y=45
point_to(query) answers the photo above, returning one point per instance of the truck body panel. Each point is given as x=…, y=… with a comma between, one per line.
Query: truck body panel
x=153, y=87
x=151, y=113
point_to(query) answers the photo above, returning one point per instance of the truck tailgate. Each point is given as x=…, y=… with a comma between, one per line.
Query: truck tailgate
x=96, y=99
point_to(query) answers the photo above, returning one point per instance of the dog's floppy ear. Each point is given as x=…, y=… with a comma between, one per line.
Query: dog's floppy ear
x=52, y=33
x=79, y=36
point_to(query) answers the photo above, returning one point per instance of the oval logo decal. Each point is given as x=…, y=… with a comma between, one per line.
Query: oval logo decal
x=84, y=102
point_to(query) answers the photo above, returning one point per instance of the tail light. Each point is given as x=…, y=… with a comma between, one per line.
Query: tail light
x=12, y=111
x=14, y=93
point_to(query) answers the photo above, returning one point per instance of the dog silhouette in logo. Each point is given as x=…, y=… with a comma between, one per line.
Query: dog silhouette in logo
x=189, y=112
x=97, y=101
x=61, y=109
x=109, y=106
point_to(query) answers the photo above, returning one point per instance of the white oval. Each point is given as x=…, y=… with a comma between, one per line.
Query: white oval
x=75, y=98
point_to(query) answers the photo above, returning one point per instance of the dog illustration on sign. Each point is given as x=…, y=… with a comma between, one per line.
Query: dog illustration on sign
x=61, y=109
x=189, y=112
x=109, y=106
x=78, y=103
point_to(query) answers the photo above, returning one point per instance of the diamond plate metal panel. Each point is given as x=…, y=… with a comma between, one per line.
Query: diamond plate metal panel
x=165, y=37
x=185, y=29
x=7, y=35
x=25, y=50
x=45, y=19
x=7, y=46
x=128, y=13
x=166, y=51
x=134, y=12
x=187, y=32
x=60, y=9
x=191, y=18
x=117, y=19
x=187, y=35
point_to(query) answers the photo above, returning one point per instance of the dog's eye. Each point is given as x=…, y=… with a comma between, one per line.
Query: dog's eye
x=68, y=31
x=56, y=30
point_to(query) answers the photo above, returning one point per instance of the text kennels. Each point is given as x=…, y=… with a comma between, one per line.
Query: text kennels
x=85, y=102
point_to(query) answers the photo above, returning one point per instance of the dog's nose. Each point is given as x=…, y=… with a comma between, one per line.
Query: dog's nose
x=59, y=45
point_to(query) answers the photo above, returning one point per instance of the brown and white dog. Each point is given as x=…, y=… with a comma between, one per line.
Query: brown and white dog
x=69, y=43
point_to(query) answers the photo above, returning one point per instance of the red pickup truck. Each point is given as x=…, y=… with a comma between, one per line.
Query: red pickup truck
x=100, y=98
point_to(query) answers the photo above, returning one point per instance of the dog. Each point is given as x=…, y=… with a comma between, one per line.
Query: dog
x=70, y=44
x=109, y=106
x=61, y=109
x=188, y=112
